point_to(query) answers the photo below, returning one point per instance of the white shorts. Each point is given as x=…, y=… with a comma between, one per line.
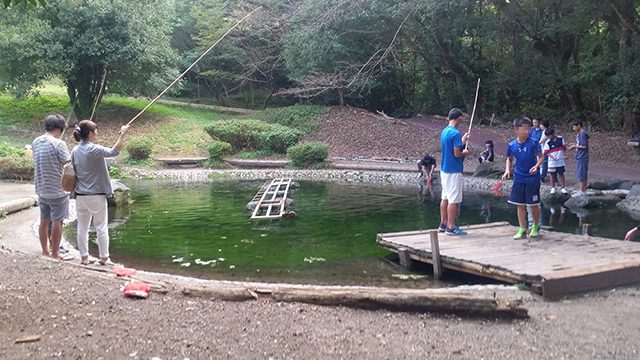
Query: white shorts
x=451, y=187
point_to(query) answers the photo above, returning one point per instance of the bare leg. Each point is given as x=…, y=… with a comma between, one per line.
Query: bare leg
x=535, y=211
x=583, y=185
x=443, y=211
x=452, y=213
x=522, y=216
x=43, y=233
x=562, y=181
x=554, y=179
x=56, y=236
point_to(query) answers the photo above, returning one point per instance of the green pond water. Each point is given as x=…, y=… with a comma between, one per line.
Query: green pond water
x=203, y=230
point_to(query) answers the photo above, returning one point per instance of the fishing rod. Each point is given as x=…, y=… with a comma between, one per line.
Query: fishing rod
x=192, y=65
x=473, y=113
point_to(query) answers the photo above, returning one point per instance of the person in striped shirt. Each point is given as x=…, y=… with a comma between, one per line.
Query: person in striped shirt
x=50, y=154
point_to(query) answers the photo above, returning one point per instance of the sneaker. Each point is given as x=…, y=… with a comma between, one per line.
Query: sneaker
x=521, y=234
x=455, y=231
x=553, y=190
x=442, y=227
x=535, y=231
x=564, y=191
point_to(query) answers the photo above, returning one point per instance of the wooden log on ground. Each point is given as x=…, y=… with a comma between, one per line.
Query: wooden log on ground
x=219, y=293
x=9, y=207
x=404, y=300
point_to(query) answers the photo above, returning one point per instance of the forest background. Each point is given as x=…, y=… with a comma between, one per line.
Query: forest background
x=559, y=58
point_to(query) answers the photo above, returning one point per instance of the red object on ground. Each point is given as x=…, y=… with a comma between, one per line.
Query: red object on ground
x=123, y=271
x=137, y=289
x=496, y=186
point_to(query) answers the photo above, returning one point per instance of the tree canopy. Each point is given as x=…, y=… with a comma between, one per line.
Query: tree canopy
x=559, y=58
x=83, y=42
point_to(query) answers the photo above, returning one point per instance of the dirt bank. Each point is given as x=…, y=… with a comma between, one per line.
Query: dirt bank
x=83, y=315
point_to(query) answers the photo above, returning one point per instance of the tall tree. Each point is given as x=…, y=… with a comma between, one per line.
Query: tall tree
x=83, y=42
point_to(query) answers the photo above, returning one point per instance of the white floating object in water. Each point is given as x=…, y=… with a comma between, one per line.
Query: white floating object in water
x=232, y=266
x=219, y=250
x=313, y=259
x=223, y=237
x=178, y=259
x=221, y=259
x=187, y=264
x=263, y=235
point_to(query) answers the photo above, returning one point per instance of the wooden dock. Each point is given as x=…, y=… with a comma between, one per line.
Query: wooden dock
x=271, y=199
x=554, y=264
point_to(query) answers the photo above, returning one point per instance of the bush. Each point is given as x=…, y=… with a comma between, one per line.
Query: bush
x=279, y=139
x=139, y=148
x=308, y=153
x=7, y=150
x=218, y=150
x=253, y=134
x=16, y=168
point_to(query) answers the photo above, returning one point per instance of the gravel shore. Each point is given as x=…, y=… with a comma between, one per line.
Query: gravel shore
x=81, y=314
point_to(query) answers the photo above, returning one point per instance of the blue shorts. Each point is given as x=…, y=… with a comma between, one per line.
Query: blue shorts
x=54, y=209
x=525, y=194
x=582, y=167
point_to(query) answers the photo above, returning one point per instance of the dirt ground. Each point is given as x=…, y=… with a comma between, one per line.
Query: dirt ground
x=81, y=314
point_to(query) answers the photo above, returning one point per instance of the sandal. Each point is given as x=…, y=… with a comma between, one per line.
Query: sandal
x=65, y=257
x=88, y=261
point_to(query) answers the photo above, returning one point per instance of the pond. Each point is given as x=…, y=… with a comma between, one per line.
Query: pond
x=203, y=230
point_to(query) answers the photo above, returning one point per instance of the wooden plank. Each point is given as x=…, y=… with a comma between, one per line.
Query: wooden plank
x=565, y=283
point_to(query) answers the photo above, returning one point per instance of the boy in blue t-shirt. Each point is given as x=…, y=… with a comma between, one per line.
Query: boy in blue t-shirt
x=526, y=180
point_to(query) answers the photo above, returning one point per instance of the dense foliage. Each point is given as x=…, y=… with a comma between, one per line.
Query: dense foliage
x=14, y=164
x=218, y=149
x=83, y=42
x=139, y=148
x=250, y=134
x=308, y=153
x=560, y=58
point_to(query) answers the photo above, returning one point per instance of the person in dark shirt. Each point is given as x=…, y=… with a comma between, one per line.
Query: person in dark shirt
x=426, y=166
x=582, y=156
x=487, y=154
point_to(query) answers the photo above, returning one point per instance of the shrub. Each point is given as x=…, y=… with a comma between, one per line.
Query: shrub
x=7, y=150
x=218, y=150
x=139, y=148
x=308, y=153
x=16, y=168
x=279, y=138
x=240, y=134
x=253, y=134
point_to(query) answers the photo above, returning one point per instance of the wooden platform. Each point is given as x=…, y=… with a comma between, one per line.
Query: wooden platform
x=554, y=264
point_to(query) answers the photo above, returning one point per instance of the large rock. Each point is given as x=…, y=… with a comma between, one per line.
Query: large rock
x=631, y=204
x=626, y=185
x=489, y=169
x=600, y=185
x=552, y=199
x=120, y=194
x=592, y=202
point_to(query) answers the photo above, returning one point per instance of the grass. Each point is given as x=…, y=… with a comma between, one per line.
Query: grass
x=175, y=131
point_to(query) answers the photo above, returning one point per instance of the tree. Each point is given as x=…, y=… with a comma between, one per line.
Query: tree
x=83, y=42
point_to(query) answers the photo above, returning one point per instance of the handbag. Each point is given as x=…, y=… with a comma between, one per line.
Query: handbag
x=69, y=176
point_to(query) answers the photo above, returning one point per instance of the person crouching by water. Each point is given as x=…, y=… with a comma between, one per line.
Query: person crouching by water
x=93, y=186
x=487, y=154
x=526, y=180
x=426, y=166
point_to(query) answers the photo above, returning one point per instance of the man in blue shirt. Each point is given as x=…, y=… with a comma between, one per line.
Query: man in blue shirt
x=453, y=154
x=582, y=155
x=526, y=181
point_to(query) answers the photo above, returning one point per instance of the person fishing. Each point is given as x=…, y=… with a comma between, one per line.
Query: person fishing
x=93, y=186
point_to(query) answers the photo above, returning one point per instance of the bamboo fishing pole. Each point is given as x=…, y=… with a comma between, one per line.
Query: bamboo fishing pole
x=473, y=112
x=192, y=65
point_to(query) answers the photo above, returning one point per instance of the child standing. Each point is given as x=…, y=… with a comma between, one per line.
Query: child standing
x=487, y=154
x=526, y=181
x=554, y=149
x=582, y=155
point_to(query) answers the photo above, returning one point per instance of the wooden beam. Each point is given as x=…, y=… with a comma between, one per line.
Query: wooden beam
x=405, y=258
x=435, y=254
